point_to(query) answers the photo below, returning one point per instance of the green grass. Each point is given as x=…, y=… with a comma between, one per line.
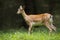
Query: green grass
x=37, y=34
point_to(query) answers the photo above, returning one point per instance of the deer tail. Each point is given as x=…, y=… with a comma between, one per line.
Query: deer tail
x=51, y=18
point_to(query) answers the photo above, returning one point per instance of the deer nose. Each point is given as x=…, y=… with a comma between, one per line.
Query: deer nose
x=18, y=12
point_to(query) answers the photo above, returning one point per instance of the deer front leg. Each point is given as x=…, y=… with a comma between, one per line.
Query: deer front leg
x=30, y=27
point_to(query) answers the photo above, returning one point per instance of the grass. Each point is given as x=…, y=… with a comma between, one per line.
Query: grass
x=37, y=34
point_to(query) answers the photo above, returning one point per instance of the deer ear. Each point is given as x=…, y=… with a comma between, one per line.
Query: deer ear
x=21, y=7
x=24, y=6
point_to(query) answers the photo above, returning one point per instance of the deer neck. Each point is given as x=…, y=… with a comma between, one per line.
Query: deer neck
x=24, y=14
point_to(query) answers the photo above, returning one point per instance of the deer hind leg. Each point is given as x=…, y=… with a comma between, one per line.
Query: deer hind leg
x=48, y=26
x=53, y=27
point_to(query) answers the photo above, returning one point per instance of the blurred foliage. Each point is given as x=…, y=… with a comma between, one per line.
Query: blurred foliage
x=8, y=9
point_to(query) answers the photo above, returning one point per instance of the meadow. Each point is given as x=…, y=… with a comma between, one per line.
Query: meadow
x=39, y=33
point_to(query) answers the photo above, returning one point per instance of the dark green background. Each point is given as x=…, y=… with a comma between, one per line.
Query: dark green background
x=8, y=9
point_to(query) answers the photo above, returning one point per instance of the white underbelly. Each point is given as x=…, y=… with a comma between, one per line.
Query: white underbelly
x=37, y=23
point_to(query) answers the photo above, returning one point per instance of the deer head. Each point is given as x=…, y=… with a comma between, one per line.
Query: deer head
x=20, y=10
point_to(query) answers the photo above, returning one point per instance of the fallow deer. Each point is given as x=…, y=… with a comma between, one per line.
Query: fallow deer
x=46, y=19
